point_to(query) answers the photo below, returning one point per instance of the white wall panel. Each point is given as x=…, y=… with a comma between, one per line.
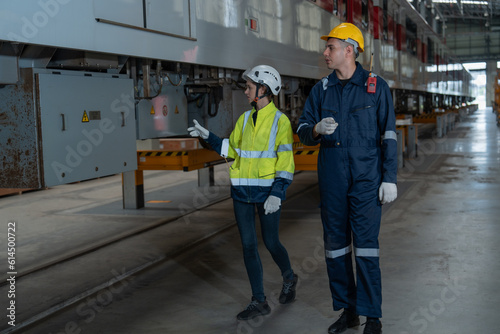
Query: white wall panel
x=171, y=16
x=127, y=12
x=222, y=38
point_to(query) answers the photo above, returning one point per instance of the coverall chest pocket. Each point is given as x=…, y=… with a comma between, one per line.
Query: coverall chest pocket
x=326, y=112
x=363, y=120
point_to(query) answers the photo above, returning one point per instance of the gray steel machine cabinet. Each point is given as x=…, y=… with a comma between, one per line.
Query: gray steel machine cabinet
x=65, y=126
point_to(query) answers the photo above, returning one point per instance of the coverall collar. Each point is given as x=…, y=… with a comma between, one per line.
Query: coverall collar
x=357, y=77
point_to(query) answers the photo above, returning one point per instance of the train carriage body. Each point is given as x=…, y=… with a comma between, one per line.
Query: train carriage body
x=103, y=74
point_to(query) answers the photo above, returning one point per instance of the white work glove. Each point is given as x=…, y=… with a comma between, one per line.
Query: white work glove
x=326, y=126
x=198, y=131
x=387, y=192
x=272, y=204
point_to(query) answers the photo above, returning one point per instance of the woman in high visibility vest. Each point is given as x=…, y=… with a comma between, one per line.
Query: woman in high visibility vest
x=263, y=167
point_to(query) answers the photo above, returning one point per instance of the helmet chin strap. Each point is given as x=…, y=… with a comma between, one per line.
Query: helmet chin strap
x=257, y=97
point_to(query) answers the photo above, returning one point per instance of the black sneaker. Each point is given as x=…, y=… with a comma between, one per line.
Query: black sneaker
x=373, y=326
x=347, y=320
x=254, y=309
x=287, y=294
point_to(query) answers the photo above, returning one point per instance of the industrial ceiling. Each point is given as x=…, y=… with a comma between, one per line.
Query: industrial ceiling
x=470, y=28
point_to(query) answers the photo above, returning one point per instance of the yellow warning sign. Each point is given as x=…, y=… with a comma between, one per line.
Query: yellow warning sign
x=85, y=117
x=176, y=110
x=152, y=112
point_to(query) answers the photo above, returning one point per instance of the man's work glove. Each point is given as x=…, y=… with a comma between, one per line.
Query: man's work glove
x=272, y=204
x=387, y=192
x=198, y=131
x=326, y=126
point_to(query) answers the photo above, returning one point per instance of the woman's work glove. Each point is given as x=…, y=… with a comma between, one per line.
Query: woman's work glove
x=272, y=204
x=387, y=192
x=198, y=131
x=326, y=126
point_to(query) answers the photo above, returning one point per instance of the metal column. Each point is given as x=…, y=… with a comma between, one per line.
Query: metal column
x=412, y=141
x=133, y=189
x=206, y=177
x=400, y=139
x=439, y=126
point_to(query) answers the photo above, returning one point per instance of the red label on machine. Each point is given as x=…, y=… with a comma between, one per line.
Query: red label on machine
x=253, y=24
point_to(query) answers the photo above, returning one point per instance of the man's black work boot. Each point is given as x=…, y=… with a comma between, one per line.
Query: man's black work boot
x=373, y=326
x=347, y=319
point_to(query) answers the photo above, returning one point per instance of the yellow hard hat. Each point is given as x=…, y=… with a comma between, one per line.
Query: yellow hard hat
x=349, y=33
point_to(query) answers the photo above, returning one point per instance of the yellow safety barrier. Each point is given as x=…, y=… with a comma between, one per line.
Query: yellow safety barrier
x=176, y=160
x=305, y=157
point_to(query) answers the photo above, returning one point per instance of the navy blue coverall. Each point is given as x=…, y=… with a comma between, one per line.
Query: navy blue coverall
x=352, y=163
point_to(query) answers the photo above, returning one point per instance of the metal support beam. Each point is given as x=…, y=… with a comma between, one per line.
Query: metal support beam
x=412, y=141
x=133, y=189
x=439, y=126
x=400, y=138
x=206, y=177
x=491, y=76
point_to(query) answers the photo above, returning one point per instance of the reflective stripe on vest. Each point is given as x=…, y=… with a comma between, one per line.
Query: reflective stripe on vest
x=224, y=151
x=252, y=182
x=284, y=175
x=270, y=153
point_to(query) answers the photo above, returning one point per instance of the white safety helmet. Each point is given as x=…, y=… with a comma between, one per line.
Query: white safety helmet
x=264, y=75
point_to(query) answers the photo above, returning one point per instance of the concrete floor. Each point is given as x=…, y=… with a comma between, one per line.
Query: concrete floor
x=439, y=254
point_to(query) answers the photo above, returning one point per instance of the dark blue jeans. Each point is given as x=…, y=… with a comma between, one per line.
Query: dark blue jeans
x=269, y=224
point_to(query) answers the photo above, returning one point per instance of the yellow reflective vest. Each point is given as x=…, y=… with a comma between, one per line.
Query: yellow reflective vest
x=263, y=155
